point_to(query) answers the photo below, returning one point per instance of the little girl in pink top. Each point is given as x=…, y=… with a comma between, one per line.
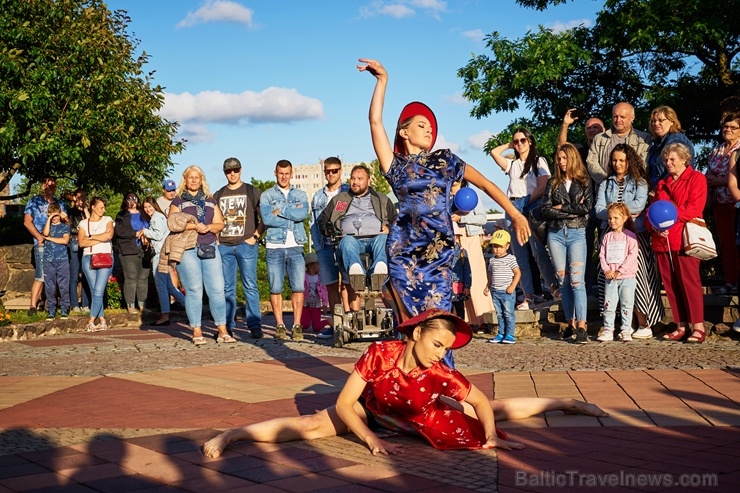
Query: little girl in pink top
x=618, y=256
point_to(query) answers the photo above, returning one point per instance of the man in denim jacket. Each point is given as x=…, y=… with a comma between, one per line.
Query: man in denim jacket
x=283, y=209
x=328, y=269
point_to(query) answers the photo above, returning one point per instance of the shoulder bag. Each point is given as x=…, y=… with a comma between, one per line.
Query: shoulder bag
x=99, y=260
x=697, y=240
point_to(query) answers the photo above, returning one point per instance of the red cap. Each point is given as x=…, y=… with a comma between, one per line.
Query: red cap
x=411, y=110
x=463, y=332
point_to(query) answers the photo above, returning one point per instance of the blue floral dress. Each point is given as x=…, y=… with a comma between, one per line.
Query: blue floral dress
x=421, y=242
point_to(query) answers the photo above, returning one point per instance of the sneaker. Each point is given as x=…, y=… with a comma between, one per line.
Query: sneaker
x=605, y=335
x=643, y=333
x=508, y=339
x=356, y=269
x=327, y=333
x=76, y=310
x=85, y=310
x=297, y=332
x=625, y=336
x=49, y=317
x=497, y=339
x=281, y=332
x=64, y=316
x=256, y=333
x=736, y=325
x=32, y=311
x=581, y=336
x=566, y=333
x=380, y=268
x=524, y=305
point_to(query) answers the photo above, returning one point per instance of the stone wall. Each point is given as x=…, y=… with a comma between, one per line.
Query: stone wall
x=16, y=271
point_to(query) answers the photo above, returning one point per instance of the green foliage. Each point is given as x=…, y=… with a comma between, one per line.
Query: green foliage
x=74, y=99
x=377, y=180
x=648, y=52
x=113, y=293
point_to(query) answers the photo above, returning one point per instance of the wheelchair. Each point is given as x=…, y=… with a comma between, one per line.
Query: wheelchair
x=373, y=320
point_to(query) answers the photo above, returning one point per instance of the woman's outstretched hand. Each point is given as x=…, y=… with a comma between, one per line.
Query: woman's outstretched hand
x=521, y=226
x=372, y=66
x=380, y=446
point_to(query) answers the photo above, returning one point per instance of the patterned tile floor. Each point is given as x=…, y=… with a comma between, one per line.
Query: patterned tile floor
x=668, y=430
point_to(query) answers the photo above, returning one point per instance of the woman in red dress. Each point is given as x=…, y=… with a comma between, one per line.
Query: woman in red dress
x=404, y=387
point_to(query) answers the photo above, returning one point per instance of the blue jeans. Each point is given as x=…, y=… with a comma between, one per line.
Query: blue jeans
x=521, y=252
x=38, y=262
x=328, y=267
x=165, y=288
x=56, y=275
x=351, y=247
x=505, y=306
x=568, y=249
x=75, y=267
x=195, y=273
x=97, y=279
x=244, y=256
x=281, y=259
x=619, y=291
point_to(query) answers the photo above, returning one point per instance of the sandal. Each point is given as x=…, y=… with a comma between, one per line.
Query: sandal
x=199, y=341
x=554, y=291
x=91, y=327
x=227, y=339
x=676, y=335
x=697, y=336
x=524, y=305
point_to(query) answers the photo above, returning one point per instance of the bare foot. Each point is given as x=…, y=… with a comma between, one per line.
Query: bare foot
x=215, y=446
x=580, y=407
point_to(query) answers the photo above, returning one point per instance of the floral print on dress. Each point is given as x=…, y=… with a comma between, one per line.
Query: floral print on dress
x=410, y=402
x=421, y=241
x=719, y=163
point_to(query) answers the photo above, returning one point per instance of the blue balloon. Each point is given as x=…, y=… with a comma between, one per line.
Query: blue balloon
x=662, y=215
x=466, y=199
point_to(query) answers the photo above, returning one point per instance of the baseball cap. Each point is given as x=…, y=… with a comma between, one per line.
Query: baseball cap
x=463, y=332
x=311, y=257
x=169, y=185
x=232, y=163
x=500, y=237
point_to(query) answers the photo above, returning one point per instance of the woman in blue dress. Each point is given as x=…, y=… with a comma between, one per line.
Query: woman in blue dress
x=421, y=242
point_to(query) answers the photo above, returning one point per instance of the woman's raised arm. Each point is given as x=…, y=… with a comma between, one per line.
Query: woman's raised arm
x=381, y=144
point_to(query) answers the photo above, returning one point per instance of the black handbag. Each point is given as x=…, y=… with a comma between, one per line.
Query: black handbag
x=207, y=251
x=538, y=224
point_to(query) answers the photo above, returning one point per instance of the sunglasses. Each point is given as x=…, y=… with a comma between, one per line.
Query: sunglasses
x=332, y=171
x=519, y=141
x=132, y=199
x=228, y=172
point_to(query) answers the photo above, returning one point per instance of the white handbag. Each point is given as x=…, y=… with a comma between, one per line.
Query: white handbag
x=697, y=240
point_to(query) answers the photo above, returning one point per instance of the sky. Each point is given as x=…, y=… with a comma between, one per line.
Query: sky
x=264, y=80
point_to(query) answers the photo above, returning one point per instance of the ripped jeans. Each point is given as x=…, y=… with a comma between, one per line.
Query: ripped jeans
x=568, y=250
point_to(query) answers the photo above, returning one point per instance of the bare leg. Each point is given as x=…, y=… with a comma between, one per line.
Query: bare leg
x=297, y=302
x=36, y=288
x=323, y=424
x=276, y=302
x=525, y=407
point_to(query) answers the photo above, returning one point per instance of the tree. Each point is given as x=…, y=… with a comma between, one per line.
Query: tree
x=681, y=53
x=377, y=180
x=75, y=102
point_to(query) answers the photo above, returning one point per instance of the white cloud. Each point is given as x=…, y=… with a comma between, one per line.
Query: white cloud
x=559, y=26
x=218, y=11
x=399, y=9
x=195, y=133
x=479, y=140
x=442, y=143
x=457, y=99
x=274, y=104
x=476, y=35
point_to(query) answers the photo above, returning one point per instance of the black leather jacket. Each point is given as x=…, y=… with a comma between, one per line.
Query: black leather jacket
x=577, y=204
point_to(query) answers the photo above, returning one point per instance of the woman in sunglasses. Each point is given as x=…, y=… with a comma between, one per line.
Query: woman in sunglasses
x=130, y=240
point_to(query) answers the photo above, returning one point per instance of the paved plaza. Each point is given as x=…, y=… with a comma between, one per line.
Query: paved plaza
x=128, y=409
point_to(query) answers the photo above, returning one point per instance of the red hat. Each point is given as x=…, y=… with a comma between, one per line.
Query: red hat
x=411, y=110
x=463, y=332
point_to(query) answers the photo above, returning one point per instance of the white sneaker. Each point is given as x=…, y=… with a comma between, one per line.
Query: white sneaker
x=736, y=325
x=625, y=336
x=643, y=333
x=605, y=335
x=355, y=269
x=380, y=268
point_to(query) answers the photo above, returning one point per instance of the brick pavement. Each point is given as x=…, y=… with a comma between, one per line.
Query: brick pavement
x=123, y=430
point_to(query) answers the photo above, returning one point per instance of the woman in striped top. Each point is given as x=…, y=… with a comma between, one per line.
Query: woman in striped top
x=628, y=184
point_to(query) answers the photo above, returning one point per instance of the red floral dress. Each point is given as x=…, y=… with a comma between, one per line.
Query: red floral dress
x=409, y=402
